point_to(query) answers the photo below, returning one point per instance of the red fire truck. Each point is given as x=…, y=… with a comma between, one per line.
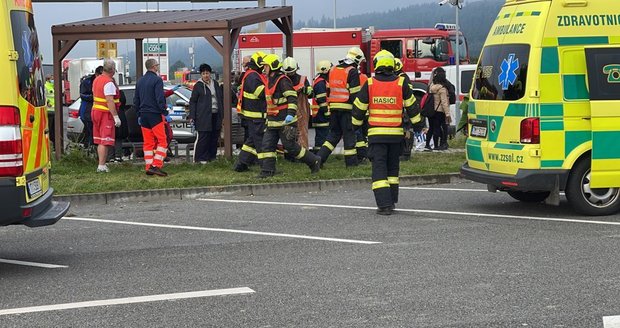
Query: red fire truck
x=420, y=49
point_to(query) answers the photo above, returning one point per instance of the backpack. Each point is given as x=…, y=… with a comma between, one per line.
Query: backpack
x=427, y=105
x=451, y=93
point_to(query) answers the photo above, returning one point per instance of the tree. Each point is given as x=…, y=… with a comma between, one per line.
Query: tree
x=177, y=65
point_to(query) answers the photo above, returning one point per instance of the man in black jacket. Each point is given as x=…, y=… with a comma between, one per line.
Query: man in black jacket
x=206, y=112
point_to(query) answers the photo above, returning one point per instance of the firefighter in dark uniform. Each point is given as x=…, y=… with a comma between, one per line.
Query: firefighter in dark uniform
x=384, y=97
x=407, y=123
x=252, y=106
x=320, y=110
x=281, y=100
x=344, y=84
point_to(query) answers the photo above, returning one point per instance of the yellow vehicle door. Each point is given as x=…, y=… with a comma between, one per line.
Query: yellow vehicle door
x=603, y=65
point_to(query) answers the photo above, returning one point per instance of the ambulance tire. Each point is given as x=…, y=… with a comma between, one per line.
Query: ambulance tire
x=602, y=201
x=529, y=197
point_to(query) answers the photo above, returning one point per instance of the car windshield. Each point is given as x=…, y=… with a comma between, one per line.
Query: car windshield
x=502, y=72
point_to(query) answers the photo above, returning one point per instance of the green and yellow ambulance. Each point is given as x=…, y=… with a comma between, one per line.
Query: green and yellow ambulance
x=544, y=114
x=25, y=192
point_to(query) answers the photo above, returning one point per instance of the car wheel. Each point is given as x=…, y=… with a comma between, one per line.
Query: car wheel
x=586, y=200
x=529, y=197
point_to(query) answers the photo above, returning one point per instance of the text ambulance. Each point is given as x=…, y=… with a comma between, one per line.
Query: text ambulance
x=544, y=114
x=24, y=139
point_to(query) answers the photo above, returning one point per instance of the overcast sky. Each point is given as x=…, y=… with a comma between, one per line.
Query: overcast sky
x=47, y=15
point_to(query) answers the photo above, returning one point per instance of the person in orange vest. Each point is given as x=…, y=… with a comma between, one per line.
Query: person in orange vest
x=344, y=84
x=281, y=120
x=384, y=98
x=361, y=134
x=150, y=104
x=252, y=106
x=106, y=102
x=304, y=92
x=320, y=110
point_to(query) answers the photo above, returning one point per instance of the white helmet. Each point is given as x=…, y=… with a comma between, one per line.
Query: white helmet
x=289, y=65
x=324, y=66
x=356, y=55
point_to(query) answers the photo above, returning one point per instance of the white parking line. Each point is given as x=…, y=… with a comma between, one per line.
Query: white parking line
x=169, y=226
x=34, y=264
x=460, y=214
x=611, y=322
x=128, y=300
x=441, y=189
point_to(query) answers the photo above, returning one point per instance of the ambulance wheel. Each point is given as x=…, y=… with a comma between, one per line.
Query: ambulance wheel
x=529, y=197
x=586, y=200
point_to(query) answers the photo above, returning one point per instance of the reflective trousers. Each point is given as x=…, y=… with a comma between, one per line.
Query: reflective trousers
x=361, y=141
x=385, y=167
x=288, y=135
x=253, y=142
x=320, y=135
x=340, y=126
x=155, y=145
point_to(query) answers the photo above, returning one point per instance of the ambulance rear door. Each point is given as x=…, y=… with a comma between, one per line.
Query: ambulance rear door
x=603, y=64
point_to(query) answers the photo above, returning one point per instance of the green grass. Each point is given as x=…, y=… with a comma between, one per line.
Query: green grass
x=75, y=173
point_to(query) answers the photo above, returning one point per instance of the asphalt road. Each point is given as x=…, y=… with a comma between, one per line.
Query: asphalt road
x=453, y=256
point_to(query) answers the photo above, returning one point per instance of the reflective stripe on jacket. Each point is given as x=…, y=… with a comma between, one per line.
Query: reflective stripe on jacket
x=99, y=101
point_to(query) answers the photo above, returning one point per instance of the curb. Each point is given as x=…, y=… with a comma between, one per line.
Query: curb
x=244, y=190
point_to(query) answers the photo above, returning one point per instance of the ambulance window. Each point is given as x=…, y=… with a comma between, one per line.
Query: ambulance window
x=502, y=72
x=393, y=46
x=603, y=73
x=29, y=64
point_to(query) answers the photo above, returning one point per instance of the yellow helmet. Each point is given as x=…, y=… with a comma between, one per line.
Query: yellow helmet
x=273, y=61
x=384, y=59
x=324, y=66
x=257, y=58
x=398, y=64
x=289, y=65
x=355, y=54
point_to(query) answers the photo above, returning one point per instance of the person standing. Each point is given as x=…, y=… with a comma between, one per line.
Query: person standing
x=320, y=110
x=86, y=105
x=304, y=92
x=407, y=122
x=281, y=120
x=106, y=102
x=344, y=84
x=252, y=105
x=384, y=98
x=361, y=134
x=442, y=118
x=50, y=101
x=150, y=105
x=206, y=112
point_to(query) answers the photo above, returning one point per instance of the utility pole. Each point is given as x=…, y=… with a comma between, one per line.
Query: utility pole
x=334, y=14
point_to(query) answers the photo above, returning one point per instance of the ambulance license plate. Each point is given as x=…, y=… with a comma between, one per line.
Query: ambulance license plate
x=34, y=187
x=478, y=128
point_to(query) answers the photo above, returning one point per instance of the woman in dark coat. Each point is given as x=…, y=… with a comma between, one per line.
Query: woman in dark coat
x=206, y=112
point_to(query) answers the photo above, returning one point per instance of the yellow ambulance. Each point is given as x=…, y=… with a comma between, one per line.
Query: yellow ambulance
x=544, y=115
x=25, y=193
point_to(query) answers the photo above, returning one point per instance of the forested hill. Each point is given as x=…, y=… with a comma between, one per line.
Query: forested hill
x=475, y=19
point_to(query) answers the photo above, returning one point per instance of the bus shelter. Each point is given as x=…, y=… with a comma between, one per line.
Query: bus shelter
x=208, y=23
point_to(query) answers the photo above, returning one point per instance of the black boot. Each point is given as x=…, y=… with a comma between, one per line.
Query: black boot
x=240, y=167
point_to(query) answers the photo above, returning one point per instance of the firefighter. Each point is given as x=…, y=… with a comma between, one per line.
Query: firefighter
x=320, y=110
x=361, y=134
x=281, y=120
x=384, y=97
x=252, y=106
x=49, y=103
x=304, y=92
x=407, y=125
x=344, y=84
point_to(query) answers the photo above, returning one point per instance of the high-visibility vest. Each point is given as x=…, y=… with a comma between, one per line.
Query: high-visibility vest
x=363, y=79
x=272, y=107
x=300, y=85
x=338, y=89
x=385, y=104
x=315, y=105
x=99, y=102
x=243, y=94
